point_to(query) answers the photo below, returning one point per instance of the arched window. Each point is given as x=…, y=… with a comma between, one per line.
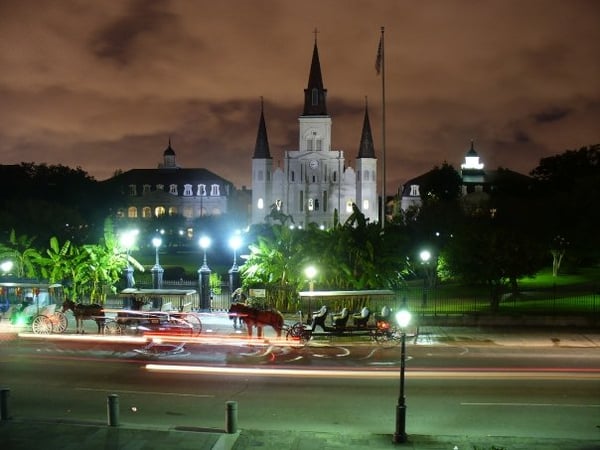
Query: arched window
x=158, y=211
x=132, y=212
x=146, y=212
x=172, y=210
x=260, y=204
x=173, y=189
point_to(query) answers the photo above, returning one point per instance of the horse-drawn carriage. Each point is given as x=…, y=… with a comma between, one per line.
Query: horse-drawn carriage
x=34, y=305
x=155, y=311
x=379, y=326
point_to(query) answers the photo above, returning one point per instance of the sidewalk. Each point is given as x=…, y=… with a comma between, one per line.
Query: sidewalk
x=30, y=435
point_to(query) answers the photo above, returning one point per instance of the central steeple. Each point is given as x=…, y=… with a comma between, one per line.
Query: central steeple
x=315, y=94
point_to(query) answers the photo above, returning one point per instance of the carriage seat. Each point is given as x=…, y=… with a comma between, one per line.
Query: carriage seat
x=361, y=319
x=384, y=316
x=318, y=318
x=340, y=319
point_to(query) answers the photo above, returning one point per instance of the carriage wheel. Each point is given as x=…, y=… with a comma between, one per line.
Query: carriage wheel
x=41, y=325
x=387, y=338
x=60, y=322
x=195, y=322
x=112, y=328
x=298, y=332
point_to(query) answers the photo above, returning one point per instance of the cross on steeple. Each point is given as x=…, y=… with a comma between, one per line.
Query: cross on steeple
x=316, y=31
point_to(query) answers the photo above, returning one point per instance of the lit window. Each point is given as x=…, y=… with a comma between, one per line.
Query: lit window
x=365, y=205
x=260, y=204
x=278, y=204
x=214, y=190
x=349, y=206
x=172, y=210
x=188, y=212
x=158, y=211
x=146, y=212
x=414, y=190
x=201, y=190
x=310, y=204
x=132, y=212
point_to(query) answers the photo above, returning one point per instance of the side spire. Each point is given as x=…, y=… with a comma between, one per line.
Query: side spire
x=315, y=94
x=366, y=148
x=261, y=149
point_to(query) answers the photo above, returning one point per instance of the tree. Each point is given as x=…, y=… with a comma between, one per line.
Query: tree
x=20, y=250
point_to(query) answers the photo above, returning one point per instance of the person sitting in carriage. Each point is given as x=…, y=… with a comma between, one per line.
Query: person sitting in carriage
x=238, y=296
x=27, y=301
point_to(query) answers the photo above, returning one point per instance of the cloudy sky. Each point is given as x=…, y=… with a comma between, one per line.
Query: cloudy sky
x=102, y=85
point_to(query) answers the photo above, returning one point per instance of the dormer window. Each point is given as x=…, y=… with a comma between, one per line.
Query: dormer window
x=173, y=189
x=187, y=190
x=132, y=190
x=201, y=192
x=160, y=187
x=414, y=190
x=214, y=190
x=146, y=189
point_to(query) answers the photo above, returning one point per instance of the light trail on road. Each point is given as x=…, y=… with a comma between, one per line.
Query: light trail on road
x=554, y=374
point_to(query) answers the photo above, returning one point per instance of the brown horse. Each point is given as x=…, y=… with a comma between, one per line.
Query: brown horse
x=85, y=312
x=254, y=317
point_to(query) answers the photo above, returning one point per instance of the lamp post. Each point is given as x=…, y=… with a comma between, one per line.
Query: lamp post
x=234, y=273
x=403, y=319
x=127, y=241
x=311, y=273
x=425, y=256
x=6, y=267
x=157, y=270
x=204, y=275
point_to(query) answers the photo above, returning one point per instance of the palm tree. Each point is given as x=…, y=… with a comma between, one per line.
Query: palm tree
x=20, y=251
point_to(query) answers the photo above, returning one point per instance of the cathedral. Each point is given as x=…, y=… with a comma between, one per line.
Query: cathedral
x=315, y=184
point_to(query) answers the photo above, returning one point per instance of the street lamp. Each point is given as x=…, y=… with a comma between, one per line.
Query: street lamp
x=204, y=275
x=157, y=270
x=234, y=273
x=6, y=266
x=403, y=318
x=425, y=256
x=311, y=273
x=127, y=241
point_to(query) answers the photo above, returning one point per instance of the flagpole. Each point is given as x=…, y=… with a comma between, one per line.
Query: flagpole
x=383, y=178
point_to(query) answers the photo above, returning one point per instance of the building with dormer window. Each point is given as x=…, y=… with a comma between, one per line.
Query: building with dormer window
x=173, y=190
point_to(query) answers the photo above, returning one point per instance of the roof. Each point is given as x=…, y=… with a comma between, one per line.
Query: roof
x=168, y=176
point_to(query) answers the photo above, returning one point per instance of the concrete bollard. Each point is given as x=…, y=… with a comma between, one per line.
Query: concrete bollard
x=112, y=407
x=231, y=418
x=4, y=392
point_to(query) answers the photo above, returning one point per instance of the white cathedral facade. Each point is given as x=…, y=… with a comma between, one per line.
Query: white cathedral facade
x=314, y=184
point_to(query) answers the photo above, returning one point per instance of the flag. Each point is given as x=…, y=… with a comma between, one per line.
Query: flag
x=379, y=60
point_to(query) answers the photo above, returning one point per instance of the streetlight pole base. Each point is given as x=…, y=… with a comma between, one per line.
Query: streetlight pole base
x=400, y=434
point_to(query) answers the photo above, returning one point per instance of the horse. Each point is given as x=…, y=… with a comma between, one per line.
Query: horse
x=254, y=317
x=85, y=312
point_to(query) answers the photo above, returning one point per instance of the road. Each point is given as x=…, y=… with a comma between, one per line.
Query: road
x=476, y=390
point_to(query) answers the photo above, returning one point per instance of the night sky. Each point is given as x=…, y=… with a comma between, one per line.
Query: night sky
x=103, y=85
